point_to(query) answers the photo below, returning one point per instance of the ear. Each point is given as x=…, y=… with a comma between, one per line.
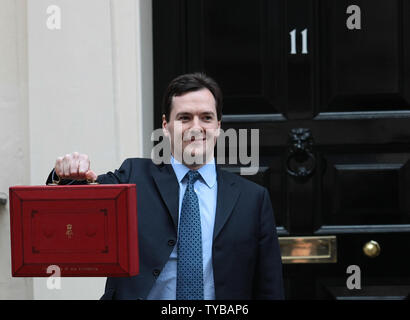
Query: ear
x=165, y=126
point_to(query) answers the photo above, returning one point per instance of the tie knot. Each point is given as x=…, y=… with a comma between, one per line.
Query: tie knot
x=193, y=176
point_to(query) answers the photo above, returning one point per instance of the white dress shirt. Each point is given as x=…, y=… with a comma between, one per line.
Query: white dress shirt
x=206, y=190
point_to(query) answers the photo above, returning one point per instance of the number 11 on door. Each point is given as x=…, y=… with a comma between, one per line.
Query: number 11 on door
x=293, y=47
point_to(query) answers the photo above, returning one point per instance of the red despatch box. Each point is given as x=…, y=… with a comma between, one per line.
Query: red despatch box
x=85, y=230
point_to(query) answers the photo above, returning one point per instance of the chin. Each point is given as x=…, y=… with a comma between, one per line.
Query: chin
x=194, y=156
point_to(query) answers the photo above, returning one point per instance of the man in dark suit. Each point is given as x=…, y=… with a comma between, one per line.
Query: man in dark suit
x=204, y=233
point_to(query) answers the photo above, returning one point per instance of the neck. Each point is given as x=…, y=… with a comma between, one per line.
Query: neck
x=194, y=167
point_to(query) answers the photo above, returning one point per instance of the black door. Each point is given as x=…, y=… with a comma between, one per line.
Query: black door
x=328, y=86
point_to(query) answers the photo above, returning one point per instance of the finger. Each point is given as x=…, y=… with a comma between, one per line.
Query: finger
x=90, y=175
x=58, y=168
x=84, y=165
x=74, y=165
x=66, y=165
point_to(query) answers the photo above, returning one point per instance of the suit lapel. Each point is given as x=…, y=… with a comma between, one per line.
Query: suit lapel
x=168, y=187
x=228, y=193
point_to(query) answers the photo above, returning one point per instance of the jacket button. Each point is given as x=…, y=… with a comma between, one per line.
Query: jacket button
x=156, y=272
x=171, y=242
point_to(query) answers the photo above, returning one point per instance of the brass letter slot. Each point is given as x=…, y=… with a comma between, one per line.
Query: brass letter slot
x=308, y=249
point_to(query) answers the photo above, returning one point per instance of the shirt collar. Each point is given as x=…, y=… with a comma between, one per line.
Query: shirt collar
x=207, y=171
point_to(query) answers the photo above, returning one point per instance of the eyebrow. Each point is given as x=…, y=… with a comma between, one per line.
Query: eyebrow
x=189, y=113
x=183, y=113
x=208, y=113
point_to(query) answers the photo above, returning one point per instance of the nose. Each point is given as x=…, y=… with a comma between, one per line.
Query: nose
x=196, y=124
x=195, y=130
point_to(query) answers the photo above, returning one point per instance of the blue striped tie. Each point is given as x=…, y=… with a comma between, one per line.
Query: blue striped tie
x=190, y=282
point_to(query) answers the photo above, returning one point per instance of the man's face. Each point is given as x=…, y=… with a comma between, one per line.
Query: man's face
x=193, y=127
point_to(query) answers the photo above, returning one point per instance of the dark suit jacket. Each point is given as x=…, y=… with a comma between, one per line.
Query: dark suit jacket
x=245, y=252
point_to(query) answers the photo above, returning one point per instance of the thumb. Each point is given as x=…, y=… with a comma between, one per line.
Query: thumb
x=90, y=176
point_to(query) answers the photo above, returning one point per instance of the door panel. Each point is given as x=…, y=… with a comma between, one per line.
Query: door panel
x=366, y=189
x=229, y=40
x=365, y=69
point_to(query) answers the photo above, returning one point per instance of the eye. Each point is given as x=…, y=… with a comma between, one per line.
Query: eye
x=183, y=118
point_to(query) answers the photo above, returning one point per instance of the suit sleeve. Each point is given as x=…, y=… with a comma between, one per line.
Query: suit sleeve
x=268, y=278
x=122, y=175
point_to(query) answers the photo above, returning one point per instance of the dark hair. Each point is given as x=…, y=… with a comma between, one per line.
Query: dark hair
x=188, y=83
